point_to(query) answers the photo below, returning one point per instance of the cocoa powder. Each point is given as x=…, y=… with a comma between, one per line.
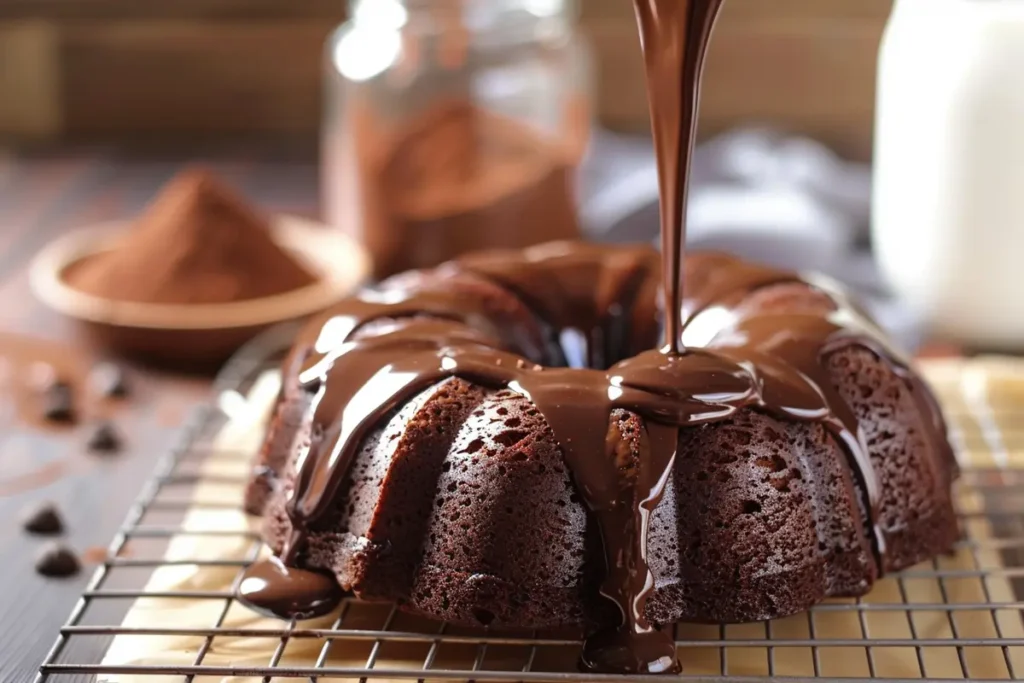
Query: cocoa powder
x=197, y=243
x=453, y=179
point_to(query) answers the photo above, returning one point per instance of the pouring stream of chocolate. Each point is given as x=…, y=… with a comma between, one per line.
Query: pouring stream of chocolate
x=675, y=36
x=383, y=347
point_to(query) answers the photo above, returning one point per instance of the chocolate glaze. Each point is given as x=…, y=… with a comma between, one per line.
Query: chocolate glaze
x=275, y=589
x=384, y=346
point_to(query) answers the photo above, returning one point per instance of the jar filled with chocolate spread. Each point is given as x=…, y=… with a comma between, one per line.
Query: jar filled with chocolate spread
x=453, y=126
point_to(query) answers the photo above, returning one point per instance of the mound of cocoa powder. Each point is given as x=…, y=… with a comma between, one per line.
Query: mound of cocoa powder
x=197, y=243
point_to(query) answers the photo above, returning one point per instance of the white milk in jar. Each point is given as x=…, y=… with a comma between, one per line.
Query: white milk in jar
x=948, y=214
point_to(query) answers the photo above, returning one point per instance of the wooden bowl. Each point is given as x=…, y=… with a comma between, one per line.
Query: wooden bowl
x=196, y=335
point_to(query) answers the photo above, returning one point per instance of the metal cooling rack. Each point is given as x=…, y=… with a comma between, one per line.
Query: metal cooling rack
x=955, y=617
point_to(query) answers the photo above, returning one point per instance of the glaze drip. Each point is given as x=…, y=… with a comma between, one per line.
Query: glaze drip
x=273, y=588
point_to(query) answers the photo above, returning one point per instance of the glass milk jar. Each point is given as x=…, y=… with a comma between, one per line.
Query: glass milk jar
x=454, y=125
x=948, y=220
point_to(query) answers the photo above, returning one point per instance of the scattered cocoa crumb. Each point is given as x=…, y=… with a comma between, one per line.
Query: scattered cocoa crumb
x=94, y=554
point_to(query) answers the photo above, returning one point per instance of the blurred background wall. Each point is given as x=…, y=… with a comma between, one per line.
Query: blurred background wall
x=102, y=69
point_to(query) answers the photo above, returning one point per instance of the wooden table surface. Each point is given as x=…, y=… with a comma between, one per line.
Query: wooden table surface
x=43, y=195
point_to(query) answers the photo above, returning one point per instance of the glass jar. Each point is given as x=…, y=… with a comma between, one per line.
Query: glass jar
x=454, y=125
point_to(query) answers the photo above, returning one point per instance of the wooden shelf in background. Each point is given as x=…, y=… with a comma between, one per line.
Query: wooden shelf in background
x=76, y=69
x=95, y=10
x=805, y=65
x=237, y=77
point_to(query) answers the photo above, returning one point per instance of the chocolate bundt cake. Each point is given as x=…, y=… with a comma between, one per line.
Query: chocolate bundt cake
x=493, y=443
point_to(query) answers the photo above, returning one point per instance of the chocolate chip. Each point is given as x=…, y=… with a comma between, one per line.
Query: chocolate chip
x=56, y=559
x=58, y=403
x=42, y=518
x=108, y=379
x=104, y=439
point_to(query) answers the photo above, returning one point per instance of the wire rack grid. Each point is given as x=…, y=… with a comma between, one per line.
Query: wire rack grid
x=957, y=617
